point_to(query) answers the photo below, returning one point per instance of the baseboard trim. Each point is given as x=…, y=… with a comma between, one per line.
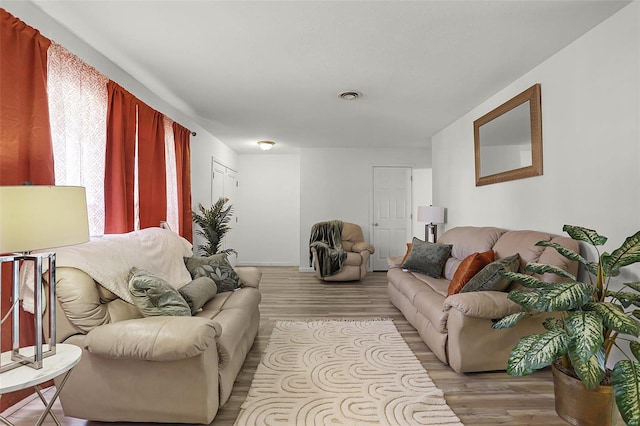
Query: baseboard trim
x=289, y=264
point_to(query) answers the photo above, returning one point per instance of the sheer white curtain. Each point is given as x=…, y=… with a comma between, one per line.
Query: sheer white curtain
x=172, y=180
x=78, y=112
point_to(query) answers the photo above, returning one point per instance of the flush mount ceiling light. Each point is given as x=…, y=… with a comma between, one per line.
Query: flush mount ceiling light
x=349, y=96
x=266, y=145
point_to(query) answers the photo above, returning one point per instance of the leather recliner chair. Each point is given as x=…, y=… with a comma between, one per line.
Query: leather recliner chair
x=358, y=252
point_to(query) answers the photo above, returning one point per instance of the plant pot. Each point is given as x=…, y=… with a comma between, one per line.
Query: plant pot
x=580, y=406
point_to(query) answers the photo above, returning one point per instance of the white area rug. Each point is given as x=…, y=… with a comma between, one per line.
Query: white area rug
x=342, y=373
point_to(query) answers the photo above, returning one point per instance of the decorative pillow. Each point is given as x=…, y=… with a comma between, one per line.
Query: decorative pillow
x=469, y=267
x=153, y=296
x=427, y=258
x=489, y=277
x=216, y=267
x=198, y=292
x=409, y=245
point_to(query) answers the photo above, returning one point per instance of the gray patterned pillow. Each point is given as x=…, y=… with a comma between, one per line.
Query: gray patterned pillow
x=427, y=258
x=216, y=267
x=153, y=296
x=198, y=292
x=489, y=277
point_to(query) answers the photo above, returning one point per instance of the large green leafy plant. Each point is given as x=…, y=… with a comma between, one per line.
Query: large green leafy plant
x=214, y=224
x=593, y=317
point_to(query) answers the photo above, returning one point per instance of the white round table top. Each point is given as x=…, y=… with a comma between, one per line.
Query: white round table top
x=65, y=358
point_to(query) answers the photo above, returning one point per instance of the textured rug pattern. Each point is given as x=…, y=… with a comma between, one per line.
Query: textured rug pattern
x=342, y=373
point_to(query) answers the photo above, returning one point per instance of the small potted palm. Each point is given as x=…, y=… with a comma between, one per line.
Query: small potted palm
x=584, y=321
x=214, y=225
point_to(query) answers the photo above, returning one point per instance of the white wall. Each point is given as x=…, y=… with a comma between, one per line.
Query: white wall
x=422, y=195
x=268, y=230
x=591, y=143
x=203, y=146
x=336, y=183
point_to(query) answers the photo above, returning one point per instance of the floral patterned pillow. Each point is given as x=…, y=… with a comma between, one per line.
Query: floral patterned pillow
x=154, y=296
x=216, y=267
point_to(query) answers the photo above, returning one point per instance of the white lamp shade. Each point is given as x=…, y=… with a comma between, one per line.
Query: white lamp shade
x=40, y=217
x=431, y=214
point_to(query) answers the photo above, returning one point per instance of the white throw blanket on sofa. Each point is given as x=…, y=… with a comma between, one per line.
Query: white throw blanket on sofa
x=108, y=260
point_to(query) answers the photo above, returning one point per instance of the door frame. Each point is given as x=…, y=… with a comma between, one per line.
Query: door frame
x=372, y=202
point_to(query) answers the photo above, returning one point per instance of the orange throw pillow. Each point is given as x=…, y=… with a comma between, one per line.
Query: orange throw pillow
x=470, y=266
x=409, y=245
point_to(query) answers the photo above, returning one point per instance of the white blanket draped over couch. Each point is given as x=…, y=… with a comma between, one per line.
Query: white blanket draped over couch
x=108, y=260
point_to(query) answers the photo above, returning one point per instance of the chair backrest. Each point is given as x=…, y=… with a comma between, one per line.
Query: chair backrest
x=351, y=234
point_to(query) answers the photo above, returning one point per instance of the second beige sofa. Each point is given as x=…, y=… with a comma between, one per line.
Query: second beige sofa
x=458, y=328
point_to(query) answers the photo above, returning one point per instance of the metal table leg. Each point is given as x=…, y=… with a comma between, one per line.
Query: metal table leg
x=51, y=402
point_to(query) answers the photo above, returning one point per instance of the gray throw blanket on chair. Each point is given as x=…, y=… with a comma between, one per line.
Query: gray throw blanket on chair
x=326, y=238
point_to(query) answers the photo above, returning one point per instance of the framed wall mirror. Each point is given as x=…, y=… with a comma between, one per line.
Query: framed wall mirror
x=508, y=140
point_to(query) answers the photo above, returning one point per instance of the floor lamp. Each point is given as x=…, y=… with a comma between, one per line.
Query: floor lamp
x=35, y=217
x=431, y=215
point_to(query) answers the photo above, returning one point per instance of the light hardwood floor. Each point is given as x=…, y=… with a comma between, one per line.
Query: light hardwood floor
x=478, y=399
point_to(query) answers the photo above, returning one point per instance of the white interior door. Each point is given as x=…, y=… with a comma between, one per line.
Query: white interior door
x=391, y=213
x=224, y=183
x=218, y=172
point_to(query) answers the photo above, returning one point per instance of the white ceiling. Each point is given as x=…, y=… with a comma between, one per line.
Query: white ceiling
x=251, y=70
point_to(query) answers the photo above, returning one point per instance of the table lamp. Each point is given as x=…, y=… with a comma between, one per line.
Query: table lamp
x=35, y=217
x=432, y=216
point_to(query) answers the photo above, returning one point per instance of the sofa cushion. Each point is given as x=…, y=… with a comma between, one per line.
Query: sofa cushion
x=469, y=267
x=198, y=292
x=523, y=243
x=467, y=240
x=429, y=303
x=230, y=310
x=154, y=296
x=427, y=258
x=216, y=267
x=489, y=278
x=552, y=257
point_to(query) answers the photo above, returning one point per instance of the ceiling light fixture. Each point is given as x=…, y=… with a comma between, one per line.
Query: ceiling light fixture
x=266, y=145
x=349, y=96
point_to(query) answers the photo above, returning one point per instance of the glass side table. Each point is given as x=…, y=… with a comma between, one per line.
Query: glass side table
x=65, y=358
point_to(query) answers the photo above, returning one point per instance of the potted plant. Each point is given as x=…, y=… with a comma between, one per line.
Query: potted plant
x=591, y=317
x=214, y=224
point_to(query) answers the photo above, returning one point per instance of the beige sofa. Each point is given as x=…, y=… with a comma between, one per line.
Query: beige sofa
x=458, y=328
x=358, y=252
x=165, y=369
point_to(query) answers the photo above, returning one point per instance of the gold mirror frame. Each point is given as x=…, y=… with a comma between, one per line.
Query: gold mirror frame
x=531, y=95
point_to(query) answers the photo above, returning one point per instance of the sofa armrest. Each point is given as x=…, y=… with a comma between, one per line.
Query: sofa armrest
x=482, y=304
x=359, y=247
x=394, y=261
x=249, y=275
x=161, y=338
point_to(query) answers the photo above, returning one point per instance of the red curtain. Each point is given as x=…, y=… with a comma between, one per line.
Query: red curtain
x=152, y=186
x=26, y=153
x=119, y=176
x=183, y=173
x=25, y=138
